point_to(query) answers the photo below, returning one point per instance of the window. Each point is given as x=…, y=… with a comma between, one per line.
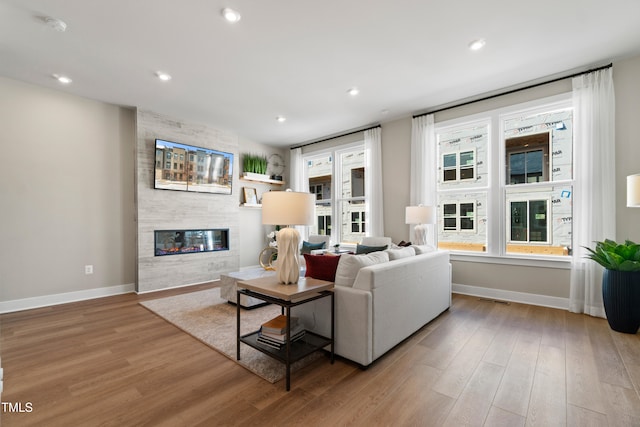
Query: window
x=458, y=166
x=527, y=158
x=462, y=192
x=528, y=221
x=324, y=225
x=358, y=222
x=458, y=216
x=505, y=183
x=337, y=179
x=317, y=189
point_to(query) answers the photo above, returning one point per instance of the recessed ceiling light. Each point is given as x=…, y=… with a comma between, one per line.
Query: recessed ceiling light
x=353, y=91
x=163, y=76
x=56, y=24
x=62, y=79
x=230, y=15
x=477, y=44
x=281, y=119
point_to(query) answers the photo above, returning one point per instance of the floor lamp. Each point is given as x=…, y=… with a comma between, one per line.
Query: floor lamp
x=420, y=216
x=288, y=208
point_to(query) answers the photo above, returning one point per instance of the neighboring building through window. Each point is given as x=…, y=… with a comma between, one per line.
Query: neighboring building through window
x=528, y=210
x=336, y=178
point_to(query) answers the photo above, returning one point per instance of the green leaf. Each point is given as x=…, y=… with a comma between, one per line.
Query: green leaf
x=629, y=266
x=614, y=256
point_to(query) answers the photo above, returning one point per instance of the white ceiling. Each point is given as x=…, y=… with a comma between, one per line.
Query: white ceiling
x=298, y=58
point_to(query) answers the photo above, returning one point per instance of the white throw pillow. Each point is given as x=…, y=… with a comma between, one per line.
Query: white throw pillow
x=423, y=249
x=405, y=252
x=349, y=265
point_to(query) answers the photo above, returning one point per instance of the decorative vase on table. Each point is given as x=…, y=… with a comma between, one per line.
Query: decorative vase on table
x=621, y=297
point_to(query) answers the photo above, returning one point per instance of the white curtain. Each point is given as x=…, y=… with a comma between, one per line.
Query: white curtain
x=296, y=176
x=594, y=190
x=373, y=180
x=297, y=182
x=423, y=167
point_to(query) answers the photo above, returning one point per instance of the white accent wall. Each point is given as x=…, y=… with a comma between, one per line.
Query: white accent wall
x=181, y=210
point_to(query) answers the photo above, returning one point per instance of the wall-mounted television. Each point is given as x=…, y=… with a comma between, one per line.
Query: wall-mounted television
x=184, y=167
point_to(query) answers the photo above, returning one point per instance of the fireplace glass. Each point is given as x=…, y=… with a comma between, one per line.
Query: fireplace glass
x=178, y=242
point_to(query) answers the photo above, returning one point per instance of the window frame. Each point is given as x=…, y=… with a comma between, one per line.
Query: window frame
x=496, y=187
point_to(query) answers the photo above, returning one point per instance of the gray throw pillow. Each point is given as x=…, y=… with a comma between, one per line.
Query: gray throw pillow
x=308, y=247
x=362, y=249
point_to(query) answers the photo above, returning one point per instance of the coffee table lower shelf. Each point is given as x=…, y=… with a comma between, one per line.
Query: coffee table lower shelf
x=300, y=348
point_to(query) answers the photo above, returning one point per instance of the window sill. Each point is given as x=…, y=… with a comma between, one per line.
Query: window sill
x=563, y=262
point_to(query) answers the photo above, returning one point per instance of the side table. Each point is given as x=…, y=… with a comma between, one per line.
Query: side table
x=286, y=296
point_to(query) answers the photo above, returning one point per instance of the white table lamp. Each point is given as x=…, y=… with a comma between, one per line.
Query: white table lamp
x=420, y=216
x=288, y=208
x=633, y=191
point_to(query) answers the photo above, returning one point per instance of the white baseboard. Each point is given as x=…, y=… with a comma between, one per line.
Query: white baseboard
x=47, y=300
x=503, y=295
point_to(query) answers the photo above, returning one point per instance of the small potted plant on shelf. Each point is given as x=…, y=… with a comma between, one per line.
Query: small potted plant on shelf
x=620, y=283
x=254, y=166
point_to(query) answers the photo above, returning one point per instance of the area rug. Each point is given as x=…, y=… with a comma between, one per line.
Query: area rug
x=212, y=320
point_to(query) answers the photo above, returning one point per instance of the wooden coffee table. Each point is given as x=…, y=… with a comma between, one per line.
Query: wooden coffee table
x=286, y=296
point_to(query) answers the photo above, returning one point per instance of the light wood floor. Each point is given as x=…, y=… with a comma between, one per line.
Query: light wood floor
x=111, y=362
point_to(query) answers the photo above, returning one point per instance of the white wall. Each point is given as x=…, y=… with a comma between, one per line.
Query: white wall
x=67, y=193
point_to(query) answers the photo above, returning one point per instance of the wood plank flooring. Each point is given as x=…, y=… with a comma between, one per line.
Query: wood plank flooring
x=110, y=362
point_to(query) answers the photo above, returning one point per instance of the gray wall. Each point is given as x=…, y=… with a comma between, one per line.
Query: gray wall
x=626, y=76
x=66, y=182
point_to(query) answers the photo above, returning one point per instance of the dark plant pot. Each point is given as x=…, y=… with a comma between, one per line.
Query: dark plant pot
x=621, y=297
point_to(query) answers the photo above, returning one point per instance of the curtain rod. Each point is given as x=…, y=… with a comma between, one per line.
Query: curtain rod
x=531, y=86
x=334, y=137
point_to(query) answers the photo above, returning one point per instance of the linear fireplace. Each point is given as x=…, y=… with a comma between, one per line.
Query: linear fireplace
x=179, y=242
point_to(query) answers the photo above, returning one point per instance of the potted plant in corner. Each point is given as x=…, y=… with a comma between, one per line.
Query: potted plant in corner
x=620, y=283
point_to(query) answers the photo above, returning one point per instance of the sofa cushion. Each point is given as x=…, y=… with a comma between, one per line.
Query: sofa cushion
x=423, y=249
x=321, y=267
x=363, y=249
x=349, y=265
x=400, y=253
x=307, y=247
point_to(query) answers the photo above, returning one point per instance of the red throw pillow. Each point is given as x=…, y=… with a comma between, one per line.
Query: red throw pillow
x=322, y=267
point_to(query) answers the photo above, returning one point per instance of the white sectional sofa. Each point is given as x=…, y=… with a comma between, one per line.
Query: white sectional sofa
x=391, y=297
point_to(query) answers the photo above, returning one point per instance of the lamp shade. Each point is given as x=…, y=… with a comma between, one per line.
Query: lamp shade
x=420, y=215
x=633, y=191
x=288, y=208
